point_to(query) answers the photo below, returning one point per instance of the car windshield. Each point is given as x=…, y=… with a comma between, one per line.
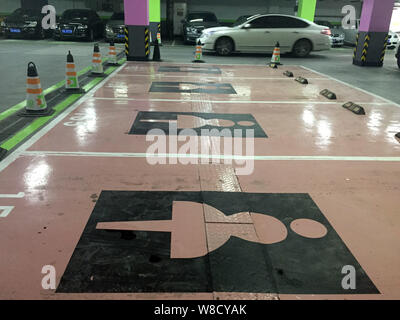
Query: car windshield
x=241, y=20
x=26, y=13
x=118, y=16
x=201, y=17
x=75, y=14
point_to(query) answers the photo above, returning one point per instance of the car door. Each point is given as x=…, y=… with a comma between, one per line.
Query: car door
x=287, y=30
x=255, y=36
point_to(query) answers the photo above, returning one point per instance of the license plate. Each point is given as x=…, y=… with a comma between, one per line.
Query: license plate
x=67, y=31
x=121, y=36
x=15, y=30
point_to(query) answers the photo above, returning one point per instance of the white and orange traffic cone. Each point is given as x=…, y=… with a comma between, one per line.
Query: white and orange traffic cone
x=198, y=54
x=35, y=100
x=276, y=56
x=71, y=77
x=112, y=54
x=97, y=67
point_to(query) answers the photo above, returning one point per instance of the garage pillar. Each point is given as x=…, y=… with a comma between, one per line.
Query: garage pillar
x=137, y=34
x=307, y=9
x=372, y=35
x=155, y=18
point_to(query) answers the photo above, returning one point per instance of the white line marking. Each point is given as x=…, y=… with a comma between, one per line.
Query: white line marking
x=14, y=155
x=238, y=101
x=207, y=156
x=13, y=196
x=203, y=75
x=6, y=210
x=354, y=87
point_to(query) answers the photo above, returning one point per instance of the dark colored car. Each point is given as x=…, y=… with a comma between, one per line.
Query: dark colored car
x=195, y=23
x=115, y=27
x=25, y=23
x=79, y=24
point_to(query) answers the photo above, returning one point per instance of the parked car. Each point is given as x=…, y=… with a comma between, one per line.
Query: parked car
x=398, y=54
x=115, y=27
x=261, y=33
x=195, y=23
x=337, y=38
x=79, y=24
x=25, y=23
x=393, y=40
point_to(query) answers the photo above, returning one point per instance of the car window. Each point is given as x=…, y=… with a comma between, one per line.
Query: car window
x=73, y=14
x=287, y=22
x=260, y=23
x=118, y=16
x=201, y=17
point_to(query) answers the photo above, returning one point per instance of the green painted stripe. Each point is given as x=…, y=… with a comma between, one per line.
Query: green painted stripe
x=22, y=104
x=38, y=123
x=110, y=70
x=92, y=83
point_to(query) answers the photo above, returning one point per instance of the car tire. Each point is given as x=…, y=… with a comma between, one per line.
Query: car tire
x=224, y=46
x=302, y=48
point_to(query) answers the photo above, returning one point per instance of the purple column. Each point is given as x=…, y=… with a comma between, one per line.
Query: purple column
x=373, y=36
x=136, y=12
x=137, y=34
x=376, y=15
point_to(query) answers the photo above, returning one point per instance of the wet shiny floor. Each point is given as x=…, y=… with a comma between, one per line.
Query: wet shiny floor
x=327, y=183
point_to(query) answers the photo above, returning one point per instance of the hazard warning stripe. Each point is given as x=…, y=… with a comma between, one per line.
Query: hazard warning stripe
x=34, y=91
x=33, y=81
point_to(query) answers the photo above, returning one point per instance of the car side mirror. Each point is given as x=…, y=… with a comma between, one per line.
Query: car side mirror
x=247, y=26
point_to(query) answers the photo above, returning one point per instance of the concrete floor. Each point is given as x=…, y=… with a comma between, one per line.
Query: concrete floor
x=50, y=59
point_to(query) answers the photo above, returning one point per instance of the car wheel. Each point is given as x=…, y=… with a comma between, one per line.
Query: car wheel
x=224, y=46
x=302, y=48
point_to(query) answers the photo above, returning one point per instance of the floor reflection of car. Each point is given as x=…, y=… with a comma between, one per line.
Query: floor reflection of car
x=195, y=23
x=261, y=33
x=398, y=54
x=25, y=23
x=79, y=24
x=115, y=27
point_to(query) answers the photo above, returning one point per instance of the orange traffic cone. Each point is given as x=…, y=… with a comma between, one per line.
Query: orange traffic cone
x=112, y=54
x=71, y=77
x=199, y=53
x=97, y=67
x=36, y=105
x=276, y=56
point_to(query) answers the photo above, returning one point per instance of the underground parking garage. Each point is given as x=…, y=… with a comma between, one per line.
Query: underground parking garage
x=264, y=135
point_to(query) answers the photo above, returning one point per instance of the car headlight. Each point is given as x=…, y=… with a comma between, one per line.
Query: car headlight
x=82, y=27
x=109, y=29
x=208, y=33
x=191, y=29
x=2, y=24
x=31, y=24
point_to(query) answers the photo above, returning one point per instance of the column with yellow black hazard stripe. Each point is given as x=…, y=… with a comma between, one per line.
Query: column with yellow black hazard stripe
x=35, y=99
x=155, y=20
x=372, y=37
x=137, y=34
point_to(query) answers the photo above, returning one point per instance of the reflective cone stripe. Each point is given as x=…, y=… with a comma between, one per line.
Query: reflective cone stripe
x=35, y=100
x=159, y=37
x=276, y=56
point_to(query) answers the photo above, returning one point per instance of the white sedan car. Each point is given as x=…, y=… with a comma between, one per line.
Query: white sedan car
x=260, y=33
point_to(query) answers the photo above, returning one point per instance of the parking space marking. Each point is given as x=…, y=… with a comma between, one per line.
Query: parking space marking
x=239, y=101
x=353, y=87
x=208, y=156
x=216, y=77
x=13, y=196
x=5, y=211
